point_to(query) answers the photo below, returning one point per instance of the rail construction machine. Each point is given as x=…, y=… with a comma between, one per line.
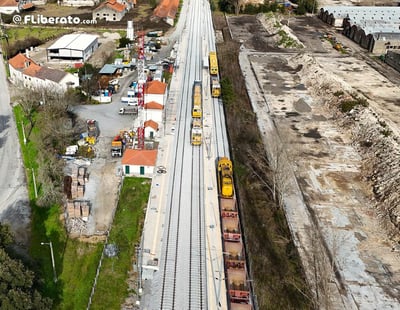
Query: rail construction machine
x=236, y=277
x=214, y=75
x=196, y=135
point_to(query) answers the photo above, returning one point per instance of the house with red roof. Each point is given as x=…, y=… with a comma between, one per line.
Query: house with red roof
x=154, y=111
x=13, y=6
x=166, y=10
x=150, y=129
x=155, y=91
x=26, y=73
x=111, y=10
x=139, y=162
x=78, y=3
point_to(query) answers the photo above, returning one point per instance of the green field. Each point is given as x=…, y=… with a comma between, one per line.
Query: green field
x=42, y=33
x=125, y=233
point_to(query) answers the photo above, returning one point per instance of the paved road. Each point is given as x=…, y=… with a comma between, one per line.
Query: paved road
x=14, y=205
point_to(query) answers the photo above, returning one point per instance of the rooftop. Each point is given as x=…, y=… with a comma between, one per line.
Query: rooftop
x=371, y=19
x=113, y=5
x=155, y=87
x=139, y=157
x=151, y=123
x=153, y=105
x=28, y=67
x=167, y=8
x=75, y=41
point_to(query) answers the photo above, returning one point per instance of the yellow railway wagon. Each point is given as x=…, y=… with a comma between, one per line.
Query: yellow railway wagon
x=213, y=63
x=196, y=132
x=225, y=177
x=215, y=87
x=197, y=100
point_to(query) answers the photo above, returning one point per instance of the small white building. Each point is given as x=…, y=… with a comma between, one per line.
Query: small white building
x=156, y=91
x=154, y=111
x=25, y=72
x=110, y=10
x=76, y=47
x=139, y=162
x=78, y=3
x=12, y=6
x=150, y=129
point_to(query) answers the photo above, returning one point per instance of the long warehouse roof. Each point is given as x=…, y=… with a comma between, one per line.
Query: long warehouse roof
x=75, y=41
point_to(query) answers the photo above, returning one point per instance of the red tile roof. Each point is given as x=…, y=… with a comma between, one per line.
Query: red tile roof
x=28, y=6
x=28, y=67
x=32, y=70
x=8, y=3
x=155, y=87
x=153, y=105
x=20, y=61
x=167, y=8
x=151, y=123
x=139, y=157
x=113, y=5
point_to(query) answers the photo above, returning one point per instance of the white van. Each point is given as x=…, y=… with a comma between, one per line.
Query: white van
x=130, y=100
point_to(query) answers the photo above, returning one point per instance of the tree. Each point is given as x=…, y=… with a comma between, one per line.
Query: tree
x=6, y=236
x=17, y=284
x=124, y=41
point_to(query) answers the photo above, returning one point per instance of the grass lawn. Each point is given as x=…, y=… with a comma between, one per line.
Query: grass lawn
x=45, y=33
x=112, y=287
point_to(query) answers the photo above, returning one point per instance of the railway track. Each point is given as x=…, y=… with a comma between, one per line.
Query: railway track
x=183, y=275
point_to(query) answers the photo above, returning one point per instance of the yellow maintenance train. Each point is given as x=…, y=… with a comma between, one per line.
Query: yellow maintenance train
x=214, y=75
x=225, y=177
x=196, y=132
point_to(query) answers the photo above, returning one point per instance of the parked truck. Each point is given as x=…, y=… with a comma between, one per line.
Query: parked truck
x=129, y=110
x=116, y=147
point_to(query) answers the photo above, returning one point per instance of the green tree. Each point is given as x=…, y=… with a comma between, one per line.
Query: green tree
x=124, y=41
x=17, y=283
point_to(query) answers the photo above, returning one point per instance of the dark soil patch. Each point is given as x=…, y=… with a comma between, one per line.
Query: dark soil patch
x=313, y=133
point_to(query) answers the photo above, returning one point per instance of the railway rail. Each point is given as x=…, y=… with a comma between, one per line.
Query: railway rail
x=183, y=267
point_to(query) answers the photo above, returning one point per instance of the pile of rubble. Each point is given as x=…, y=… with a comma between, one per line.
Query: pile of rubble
x=77, y=210
x=381, y=156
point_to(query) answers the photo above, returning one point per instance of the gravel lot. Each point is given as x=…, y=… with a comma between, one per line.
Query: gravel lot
x=328, y=166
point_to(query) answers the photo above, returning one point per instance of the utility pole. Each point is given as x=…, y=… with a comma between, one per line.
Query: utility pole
x=52, y=259
x=34, y=182
x=23, y=132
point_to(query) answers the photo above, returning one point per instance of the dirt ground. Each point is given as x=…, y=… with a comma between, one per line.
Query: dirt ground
x=323, y=144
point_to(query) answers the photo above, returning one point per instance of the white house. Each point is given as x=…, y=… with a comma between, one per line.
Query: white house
x=24, y=71
x=110, y=10
x=154, y=111
x=76, y=46
x=156, y=91
x=13, y=6
x=150, y=129
x=78, y=3
x=139, y=162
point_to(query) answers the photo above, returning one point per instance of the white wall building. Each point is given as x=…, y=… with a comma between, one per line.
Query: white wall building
x=13, y=6
x=156, y=91
x=78, y=3
x=150, y=129
x=110, y=10
x=77, y=47
x=25, y=72
x=154, y=111
x=139, y=162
